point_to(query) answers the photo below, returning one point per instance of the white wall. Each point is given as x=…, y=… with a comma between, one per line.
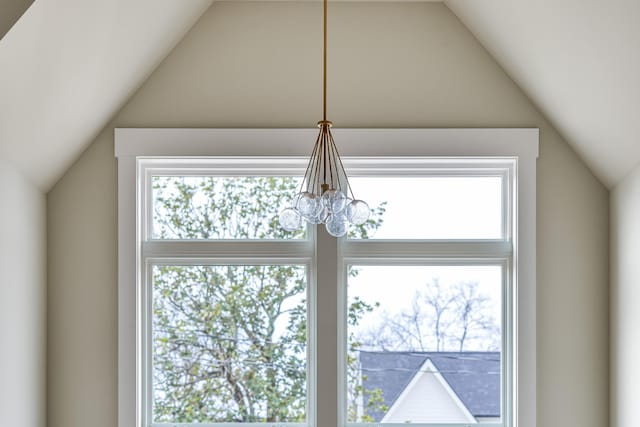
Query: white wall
x=625, y=301
x=391, y=65
x=22, y=301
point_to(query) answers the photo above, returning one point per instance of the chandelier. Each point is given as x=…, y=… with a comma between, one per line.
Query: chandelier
x=325, y=196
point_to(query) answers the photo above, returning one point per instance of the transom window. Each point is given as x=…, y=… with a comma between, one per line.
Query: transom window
x=411, y=318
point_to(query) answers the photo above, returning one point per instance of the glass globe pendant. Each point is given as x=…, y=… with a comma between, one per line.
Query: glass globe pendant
x=325, y=195
x=290, y=219
x=357, y=212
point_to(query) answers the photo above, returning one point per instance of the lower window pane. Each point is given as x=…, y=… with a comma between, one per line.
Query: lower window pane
x=229, y=344
x=424, y=344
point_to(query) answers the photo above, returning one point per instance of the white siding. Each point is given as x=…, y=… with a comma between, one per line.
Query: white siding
x=428, y=399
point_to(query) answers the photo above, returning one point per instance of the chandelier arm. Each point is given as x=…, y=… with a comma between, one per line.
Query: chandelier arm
x=344, y=172
x=331, y=163
x=325, y=155
x=318, y=170
x=310, y=179
x=316, y=178
x=307, y=174
x=312, y=169
x=319, y=174
x=312, y=174
x=332, y=159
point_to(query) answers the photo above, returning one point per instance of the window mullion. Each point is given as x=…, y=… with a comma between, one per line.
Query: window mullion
x=178, y=249
x=326, y=404
x=407, y=249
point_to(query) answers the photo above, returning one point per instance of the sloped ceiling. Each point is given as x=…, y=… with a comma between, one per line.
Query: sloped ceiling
x=68, y=65
x=10, y=12
x=579, y=62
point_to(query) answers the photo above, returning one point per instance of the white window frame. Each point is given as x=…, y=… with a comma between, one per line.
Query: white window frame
x=152, y=252
x=132, y=145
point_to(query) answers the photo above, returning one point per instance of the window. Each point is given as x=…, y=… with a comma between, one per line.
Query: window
x=427, y=306
x=427, y=349
x=228, y=343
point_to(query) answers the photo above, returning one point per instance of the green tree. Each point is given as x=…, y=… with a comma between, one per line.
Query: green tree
x=229, y=342
x=357, y=393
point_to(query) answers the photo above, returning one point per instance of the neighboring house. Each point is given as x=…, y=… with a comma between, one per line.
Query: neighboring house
x=432, y=387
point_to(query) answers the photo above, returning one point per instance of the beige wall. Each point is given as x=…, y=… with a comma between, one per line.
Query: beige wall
x=625, y=300
x=22, y=300
x=391, y=65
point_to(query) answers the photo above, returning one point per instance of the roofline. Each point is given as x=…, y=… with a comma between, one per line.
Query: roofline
x=428, y=366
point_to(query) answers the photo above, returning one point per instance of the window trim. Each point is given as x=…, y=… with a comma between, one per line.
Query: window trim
x=131, y=144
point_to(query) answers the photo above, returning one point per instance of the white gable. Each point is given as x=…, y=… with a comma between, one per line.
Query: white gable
x=428, y=399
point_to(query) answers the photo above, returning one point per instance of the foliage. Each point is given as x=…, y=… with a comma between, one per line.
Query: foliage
x=357, y=393
x=220, y=353
x=229, y=342
x=221, y=207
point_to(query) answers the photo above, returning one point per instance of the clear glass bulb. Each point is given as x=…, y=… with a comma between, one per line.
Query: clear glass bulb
x=290, y=219
x=357, y=212
x=307, y=205
x=334, y=200
x=320, y=215
x=337, y=225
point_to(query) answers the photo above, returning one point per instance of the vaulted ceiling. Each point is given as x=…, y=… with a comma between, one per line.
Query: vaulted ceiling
x=67, y=66
x=579, y=62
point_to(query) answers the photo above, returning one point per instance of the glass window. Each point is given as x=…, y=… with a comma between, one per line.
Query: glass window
x=424, y=344
x=433, y=207
x=226, y=339
x=230, y=322
x=217, y=207
x=229, y=343
x=426, y=336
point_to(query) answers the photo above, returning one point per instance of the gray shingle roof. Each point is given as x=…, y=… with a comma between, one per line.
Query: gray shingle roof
x=473, y=376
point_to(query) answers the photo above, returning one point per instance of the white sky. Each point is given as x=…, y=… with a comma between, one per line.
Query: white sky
x=429, y=208
x=394, y=286
x=434, y=207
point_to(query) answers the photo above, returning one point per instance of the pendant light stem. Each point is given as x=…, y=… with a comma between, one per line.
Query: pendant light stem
x=324, y=191
x=324, y=64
